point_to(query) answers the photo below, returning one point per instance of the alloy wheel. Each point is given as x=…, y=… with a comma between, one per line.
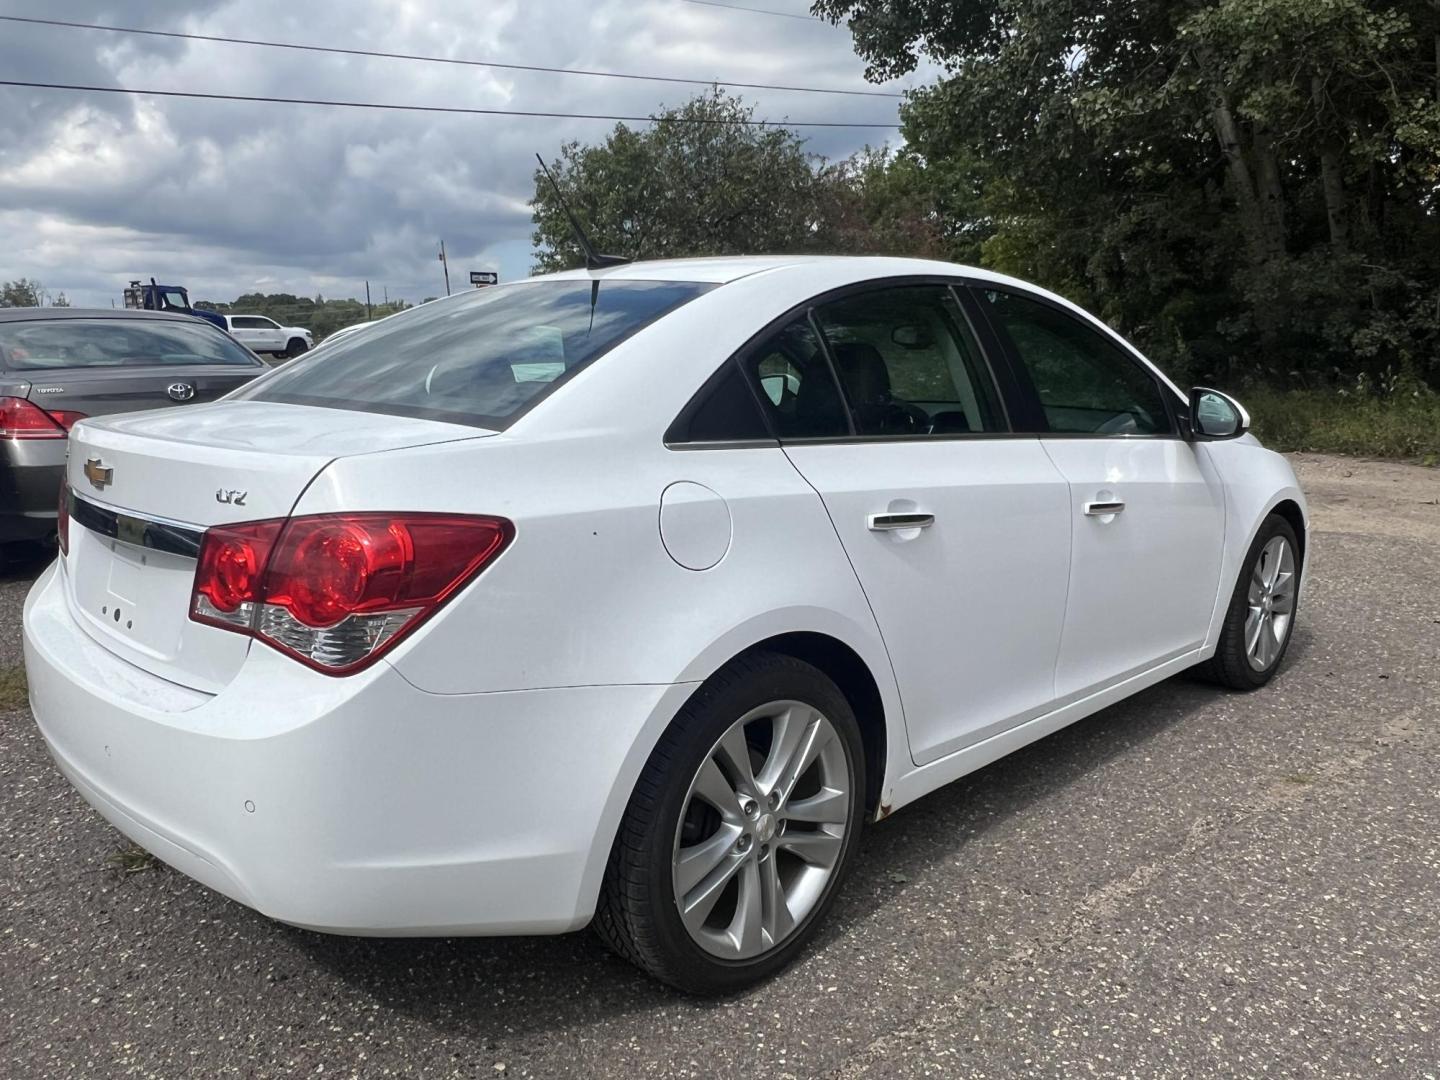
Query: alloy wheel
x=762, y=830
x=1271, y=603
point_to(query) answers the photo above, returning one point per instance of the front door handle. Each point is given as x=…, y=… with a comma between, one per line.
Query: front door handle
x=885, y=522
x=1099, y=509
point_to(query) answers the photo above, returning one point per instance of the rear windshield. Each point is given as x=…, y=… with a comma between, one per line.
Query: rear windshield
x=93, y=343
x=479, y=359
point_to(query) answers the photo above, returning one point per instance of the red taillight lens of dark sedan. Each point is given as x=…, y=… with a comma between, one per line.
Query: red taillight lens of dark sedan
x=336, y=591
x=22, y=419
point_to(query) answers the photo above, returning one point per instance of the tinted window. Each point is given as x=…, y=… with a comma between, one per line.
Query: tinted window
x=908, y=363
x=1086, y=385
x=66, y=343
x=480, y=358
x=796, y=386
x=724, y=411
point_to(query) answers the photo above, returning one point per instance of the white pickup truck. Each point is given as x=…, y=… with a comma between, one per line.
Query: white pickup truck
x=264, y=335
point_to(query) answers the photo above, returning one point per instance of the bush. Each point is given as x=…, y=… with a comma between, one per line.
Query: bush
x=1404, y=424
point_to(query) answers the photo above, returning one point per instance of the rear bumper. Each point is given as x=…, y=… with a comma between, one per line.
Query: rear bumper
x=30, y=474
x=358, y=805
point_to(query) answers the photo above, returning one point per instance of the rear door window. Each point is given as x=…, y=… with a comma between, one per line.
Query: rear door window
x=483, y=358
x=909, y=364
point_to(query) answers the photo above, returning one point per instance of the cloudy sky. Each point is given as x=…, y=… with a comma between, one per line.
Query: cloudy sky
x=232, y=197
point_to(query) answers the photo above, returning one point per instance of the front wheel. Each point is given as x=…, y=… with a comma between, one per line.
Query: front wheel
x=1261, y=615
x=739, y=830
x=294, y=347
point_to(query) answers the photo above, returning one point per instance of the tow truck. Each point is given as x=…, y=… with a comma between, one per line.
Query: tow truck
x=153, y=297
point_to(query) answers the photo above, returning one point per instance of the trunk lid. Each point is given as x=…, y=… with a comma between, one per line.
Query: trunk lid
x=97, y=391
x=146, y=487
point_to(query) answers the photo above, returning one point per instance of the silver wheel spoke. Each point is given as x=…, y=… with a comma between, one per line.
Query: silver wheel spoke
x=789, y=730
x=712, y=786
x=749, y=922
x=1270, y=560
x=1253, y=625
x=803, y=736
x=826, y=807
x=1275, y=632
x=778, y=920
x=816, y=848
x=1257, y=578
x=736, y=753
x=693, y=864
x=1267, y=642
x=695, y=907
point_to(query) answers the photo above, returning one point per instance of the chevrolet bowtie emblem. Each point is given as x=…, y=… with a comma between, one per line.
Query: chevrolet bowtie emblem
x=98, y=474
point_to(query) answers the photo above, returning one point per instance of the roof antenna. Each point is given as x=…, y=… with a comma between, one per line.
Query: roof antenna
x=593, y=259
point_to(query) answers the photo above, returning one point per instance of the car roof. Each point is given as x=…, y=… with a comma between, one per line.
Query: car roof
x=722, y=269
x=46, y=314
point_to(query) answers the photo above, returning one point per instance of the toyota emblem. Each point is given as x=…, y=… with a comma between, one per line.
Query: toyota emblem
x=180, y=391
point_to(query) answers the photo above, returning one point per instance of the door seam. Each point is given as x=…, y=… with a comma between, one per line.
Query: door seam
x=875, y=619
x=1069, y=566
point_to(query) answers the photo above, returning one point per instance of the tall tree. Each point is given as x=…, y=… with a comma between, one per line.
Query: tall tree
x=20, y=293
x=1251, y=180
x=701, y=180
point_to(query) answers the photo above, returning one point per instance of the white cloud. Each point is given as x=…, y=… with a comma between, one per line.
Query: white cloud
x=229, y=197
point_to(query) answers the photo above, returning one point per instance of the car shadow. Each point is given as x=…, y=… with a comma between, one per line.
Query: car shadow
x=24, y=562
x=476, y=986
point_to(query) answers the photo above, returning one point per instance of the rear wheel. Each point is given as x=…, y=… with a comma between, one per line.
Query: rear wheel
x=294, y=347
x=1261, y=615
x=739, y=830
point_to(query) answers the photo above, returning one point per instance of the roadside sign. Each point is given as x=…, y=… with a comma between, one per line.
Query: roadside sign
x=479, y=278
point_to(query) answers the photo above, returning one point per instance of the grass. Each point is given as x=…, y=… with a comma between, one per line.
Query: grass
x=1400, y=426
x=133, y=859
x=14, y=691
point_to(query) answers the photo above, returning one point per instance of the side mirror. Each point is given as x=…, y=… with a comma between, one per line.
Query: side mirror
x=1214, y=415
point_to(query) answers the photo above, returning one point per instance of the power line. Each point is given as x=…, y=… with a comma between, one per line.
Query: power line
x=756, y=11
x=443, y=59
x=195, y=94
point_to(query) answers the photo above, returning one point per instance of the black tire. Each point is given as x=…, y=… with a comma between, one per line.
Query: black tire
x=294, y=347
x=636, y=914
x=1230, y=666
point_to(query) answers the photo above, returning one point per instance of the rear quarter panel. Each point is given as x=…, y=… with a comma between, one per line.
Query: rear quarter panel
x=587, y=593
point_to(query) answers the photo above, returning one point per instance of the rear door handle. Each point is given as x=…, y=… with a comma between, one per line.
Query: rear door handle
x=1098, y=509
x=885, y=522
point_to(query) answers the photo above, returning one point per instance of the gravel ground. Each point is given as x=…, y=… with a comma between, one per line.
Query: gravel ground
x=1191, y=883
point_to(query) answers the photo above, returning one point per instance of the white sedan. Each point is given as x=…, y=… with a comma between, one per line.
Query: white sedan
x=626, y=596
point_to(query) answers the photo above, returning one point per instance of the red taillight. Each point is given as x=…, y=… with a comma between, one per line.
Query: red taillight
x=22, y=419
x=336, y=591
x=66, y=418
x=227, y=579
x=62, y=518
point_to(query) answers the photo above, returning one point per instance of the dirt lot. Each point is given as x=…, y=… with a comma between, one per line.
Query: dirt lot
x=1191, y=883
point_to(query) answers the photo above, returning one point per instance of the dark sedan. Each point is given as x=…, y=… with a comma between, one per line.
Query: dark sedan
x=58, y=365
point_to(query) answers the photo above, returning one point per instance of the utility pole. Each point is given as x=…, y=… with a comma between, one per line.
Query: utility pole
x=368, y=313
x=387, y=294
x=446, y=265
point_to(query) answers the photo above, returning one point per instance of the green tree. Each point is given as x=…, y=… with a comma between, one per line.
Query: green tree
x=701, y=180
x=1246, y=185
x=20, y=293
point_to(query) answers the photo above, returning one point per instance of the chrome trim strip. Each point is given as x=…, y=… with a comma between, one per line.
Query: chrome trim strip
x=155, y=533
